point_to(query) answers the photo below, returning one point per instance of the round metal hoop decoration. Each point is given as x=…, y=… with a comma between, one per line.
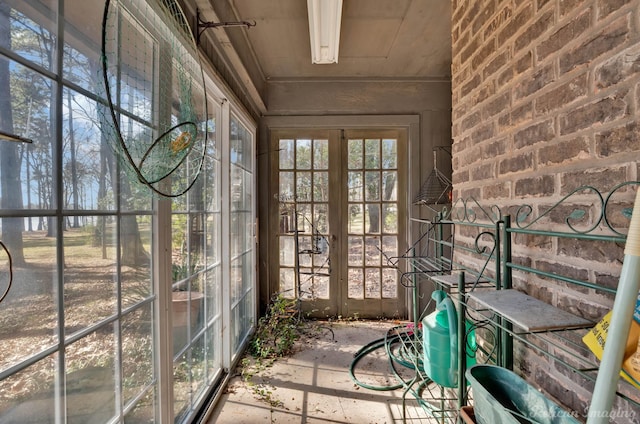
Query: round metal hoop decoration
x=6, y=291
x=153, y=83
x=184, y=139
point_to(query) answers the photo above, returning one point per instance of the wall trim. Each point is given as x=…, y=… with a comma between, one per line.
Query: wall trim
x=341, y=121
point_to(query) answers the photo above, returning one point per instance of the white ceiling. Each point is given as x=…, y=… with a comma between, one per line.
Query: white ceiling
x=380, y=39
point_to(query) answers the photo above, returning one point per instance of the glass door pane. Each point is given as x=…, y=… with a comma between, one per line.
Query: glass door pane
x=241, y=234
x=339, y=202
x=197, y=284
x=373, y=186
x=304, y=262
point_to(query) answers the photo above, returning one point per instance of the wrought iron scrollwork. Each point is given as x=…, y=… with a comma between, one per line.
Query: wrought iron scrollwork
x=469, y=210
x=588, y=210
x=577, y=214
x=601, y=211
x=483, y=249
x=625, y=212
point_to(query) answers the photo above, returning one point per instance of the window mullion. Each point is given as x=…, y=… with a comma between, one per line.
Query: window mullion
x=162, y=287
x=56, y=117
x=225, y=172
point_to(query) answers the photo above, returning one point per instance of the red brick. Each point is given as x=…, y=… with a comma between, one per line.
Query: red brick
x=505, y=77
x=459, y=177
x=596, y=113
x=598, y=177
x=533, y=134
x=488, y=9
x=496, y=63
x=607, y=7
x=566, y=151
x=514, y=164
x=563, y=95
x=494, y=148
x=607, y=40
x=543, y=3
x=483, y=172
x=530, y=85
x=554, y=104
x=496, y=106
x=534, y=186
x=470, y=156
x=470, y=86
x=470, y=121
x=484, y=53
x=563, y=36
x=539, y=27
x=462, y=41
x=496, y=191
x=504, y=121
x=521, y=113
x=515, y=24
x=567, y=6
x=484, y=132
x=469, y=50
x=524, y=63
x=462, y=75
x=619, y=68
x=625, y=139
x=469, y=14
x=500, y=20
x=486, y=91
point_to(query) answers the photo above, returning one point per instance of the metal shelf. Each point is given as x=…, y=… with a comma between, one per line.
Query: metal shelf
x=527, y=312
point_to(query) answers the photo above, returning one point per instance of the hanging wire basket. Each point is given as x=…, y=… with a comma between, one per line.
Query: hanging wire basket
x=436, y=189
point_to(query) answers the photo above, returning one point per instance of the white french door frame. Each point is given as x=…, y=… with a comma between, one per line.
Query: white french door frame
x=374, y=304
x=409, y=123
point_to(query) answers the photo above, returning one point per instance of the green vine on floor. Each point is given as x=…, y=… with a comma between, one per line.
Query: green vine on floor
x=278, y=330
x=261, y=390
x=275, y=336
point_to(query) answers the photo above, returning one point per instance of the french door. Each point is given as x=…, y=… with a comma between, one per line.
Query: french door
x=340, y=208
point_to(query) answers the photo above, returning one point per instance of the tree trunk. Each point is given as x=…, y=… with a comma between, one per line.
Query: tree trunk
x=132, y=250
x=72, y=159
x=55, y=172
x=374, y=218
x=10, y=193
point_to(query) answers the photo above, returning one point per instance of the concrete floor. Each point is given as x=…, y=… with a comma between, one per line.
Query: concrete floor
x=314, y=385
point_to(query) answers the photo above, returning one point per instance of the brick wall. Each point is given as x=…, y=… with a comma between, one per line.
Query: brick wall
x=546, y=97
x=544, y=92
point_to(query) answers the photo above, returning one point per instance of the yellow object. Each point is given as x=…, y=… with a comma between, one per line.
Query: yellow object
x=631, y=364
x=596, y=338
x=181, y=142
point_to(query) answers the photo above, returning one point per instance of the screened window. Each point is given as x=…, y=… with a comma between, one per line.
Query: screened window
x=241, y=243
x=89, y=254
